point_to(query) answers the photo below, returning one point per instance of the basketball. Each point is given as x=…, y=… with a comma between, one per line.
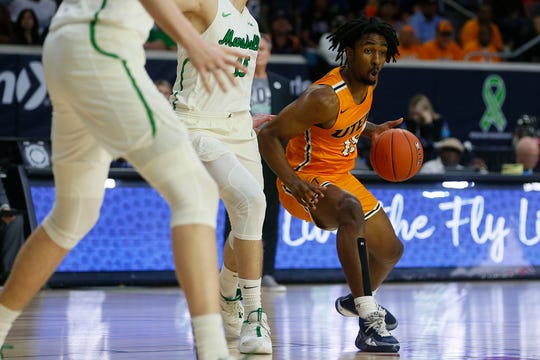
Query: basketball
x=396, y=155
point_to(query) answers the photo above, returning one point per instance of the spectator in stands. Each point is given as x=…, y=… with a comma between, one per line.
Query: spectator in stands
x=316, y=20
x=443, y=46
x=451, y=151
x=389, y=12
x=527, y=153
x=370, y=9
x=481, y=49
x=526, y=125
x=409, y=48
x=44, y=10
x=470, y=31
x=428, y=125
x=11, y=235
x=284, y=41
x=425, y=21
x=6, y=26
x=26, y=29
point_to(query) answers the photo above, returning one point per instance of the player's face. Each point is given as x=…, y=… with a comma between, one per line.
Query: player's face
x=368, y=57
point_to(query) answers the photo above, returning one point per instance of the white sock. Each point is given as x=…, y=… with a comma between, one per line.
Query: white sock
x=365, y=305
x=228, y=282
x=209, y=337
x=7, y=317
x=251, y=293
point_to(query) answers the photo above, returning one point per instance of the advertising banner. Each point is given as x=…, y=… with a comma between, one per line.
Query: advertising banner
x=25, y=108
x=462, y=225
x=481, y=102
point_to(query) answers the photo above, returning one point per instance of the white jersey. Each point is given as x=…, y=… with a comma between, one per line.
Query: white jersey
x=126, y=14
x=229, y=28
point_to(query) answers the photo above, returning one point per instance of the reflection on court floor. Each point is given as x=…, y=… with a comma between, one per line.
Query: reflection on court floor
x=437, y=320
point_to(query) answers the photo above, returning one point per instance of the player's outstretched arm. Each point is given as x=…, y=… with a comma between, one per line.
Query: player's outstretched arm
x=207, y=58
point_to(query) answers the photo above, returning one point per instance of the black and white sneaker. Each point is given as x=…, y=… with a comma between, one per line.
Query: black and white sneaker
x=345, y=306
x=373, y=336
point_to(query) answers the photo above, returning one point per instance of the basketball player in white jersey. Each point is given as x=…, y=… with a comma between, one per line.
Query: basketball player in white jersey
x=106, y=106
x=221, y=130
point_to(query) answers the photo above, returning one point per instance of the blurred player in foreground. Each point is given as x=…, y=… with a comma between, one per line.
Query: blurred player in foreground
x=106, y=106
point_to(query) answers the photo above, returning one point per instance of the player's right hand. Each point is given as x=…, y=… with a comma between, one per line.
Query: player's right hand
x=215, y=60
x=306, y=193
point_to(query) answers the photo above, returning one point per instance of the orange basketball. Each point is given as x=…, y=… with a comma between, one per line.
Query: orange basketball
x=396, y=155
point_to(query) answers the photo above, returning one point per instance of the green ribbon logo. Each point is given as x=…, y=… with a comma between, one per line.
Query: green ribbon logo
x=493, y=93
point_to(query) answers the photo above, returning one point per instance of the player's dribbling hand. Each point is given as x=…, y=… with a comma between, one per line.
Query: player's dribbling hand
x=218, y=61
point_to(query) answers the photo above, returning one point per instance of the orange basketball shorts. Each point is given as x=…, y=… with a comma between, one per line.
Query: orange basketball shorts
x=345, y=181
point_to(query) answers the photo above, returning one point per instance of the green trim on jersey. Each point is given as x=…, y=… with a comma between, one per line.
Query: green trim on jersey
x=180, y=83
x=93, y=25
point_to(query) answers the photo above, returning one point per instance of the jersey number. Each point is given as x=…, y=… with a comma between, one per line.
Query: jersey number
x=245, y=62
x=349, y=146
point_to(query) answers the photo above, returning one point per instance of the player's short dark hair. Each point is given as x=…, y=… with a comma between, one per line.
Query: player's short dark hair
x=350, y=32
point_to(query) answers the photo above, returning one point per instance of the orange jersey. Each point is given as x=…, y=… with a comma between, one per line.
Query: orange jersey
x=331, y=151
x=432, y=51
x=411, y=53
x=469, y=32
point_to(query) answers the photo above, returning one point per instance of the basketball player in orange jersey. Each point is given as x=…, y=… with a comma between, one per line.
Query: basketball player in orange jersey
x=322, y=128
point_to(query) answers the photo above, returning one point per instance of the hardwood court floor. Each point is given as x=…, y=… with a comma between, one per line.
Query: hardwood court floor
x=438, y=320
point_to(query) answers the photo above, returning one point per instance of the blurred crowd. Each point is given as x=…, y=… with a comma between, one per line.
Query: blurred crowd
x=469, y=30
x=25, y=22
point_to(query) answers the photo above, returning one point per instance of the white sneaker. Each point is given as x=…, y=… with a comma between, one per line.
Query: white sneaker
x=268, y=283
x=255, y=334
x=232, y=312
